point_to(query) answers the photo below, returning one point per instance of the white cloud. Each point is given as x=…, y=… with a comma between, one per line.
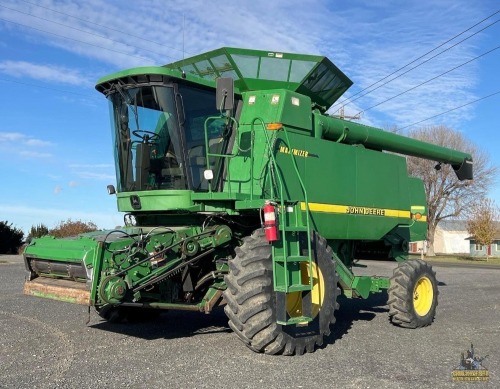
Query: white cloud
x=20, y=138
x=37, y=142
x=96, y=176
x=91, y=166
x=11, y=136
x=73, y=184
x=96, y=171
x=34, y=154
x=47, y=73
x=75, y=35
x=25, y=146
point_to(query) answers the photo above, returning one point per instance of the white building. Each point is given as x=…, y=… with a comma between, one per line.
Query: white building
x=450, y=237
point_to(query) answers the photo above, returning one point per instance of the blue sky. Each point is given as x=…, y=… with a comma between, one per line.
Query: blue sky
x=55, y=140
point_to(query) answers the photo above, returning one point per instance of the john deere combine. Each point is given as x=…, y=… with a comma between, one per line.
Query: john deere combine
x=238, y=189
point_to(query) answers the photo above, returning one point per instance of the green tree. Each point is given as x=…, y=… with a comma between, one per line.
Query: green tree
x=11, y=238
x=37, y=231
x=72, y=228
x=447, y=197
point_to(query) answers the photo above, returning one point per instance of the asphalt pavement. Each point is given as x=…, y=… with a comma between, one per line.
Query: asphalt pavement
x=50, y=344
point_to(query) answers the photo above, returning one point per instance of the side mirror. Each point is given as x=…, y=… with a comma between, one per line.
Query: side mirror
x=224, y=96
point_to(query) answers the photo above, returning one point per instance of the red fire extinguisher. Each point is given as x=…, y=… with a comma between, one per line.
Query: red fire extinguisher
x=270, y=226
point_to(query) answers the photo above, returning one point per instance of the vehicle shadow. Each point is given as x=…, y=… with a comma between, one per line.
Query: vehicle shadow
x=182, y=324
x=353, y=310
x=168, y=325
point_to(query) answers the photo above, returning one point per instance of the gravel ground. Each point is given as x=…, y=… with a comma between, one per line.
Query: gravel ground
x=49, y=344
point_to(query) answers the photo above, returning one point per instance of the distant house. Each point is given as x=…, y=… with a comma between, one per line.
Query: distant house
x=478, y=250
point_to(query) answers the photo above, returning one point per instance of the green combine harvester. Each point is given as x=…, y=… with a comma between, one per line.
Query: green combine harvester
x=238, y=189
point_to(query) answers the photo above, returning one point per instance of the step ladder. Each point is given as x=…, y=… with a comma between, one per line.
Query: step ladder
x=292, y=272
x=292, y=255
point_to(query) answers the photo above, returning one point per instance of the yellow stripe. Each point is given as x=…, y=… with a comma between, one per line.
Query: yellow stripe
x=396, y=213
x=356, y=210
x=316, y=207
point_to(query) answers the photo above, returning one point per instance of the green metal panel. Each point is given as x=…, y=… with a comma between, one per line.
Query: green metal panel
x=157, y=200
x=354, y=193
x=248, y=171
x=278, y=106
x=417, y=197
x=63, y=250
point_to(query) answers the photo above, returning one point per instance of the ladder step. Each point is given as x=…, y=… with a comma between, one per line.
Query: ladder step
x=295, y=229
x=293, y=288
x=297, y=258
x=293, y=258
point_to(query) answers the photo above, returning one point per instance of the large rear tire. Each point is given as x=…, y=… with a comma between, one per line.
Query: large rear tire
x=251, y=300
x=413, y=295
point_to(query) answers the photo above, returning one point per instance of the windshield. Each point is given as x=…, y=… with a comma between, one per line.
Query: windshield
x=159, y=138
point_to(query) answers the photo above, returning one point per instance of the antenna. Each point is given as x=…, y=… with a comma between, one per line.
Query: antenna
x=183, y=51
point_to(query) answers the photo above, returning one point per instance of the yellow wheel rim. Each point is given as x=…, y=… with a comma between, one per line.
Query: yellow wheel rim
x=423, y=296
x=294, y=300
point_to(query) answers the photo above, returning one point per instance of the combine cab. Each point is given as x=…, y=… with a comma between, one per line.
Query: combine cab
x=238, y=189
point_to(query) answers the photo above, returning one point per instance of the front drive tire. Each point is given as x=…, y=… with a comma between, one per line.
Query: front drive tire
x=413, y=295
x=251, y=300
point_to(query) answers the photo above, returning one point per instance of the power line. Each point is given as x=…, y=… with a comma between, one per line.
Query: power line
x=104, y=26
x=72, y=39
x=46, y=87
x=450, y=110
x=84, y=31
x=429, y=80
x=427, y=60
x=416, y=59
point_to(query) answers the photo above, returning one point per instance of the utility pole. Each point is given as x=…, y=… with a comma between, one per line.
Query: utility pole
x=342, y=115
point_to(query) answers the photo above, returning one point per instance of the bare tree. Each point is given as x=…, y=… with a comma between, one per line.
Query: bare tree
x=447, y=197
x=483, y=222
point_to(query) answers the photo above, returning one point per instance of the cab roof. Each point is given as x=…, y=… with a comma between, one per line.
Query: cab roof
x=310, y=75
